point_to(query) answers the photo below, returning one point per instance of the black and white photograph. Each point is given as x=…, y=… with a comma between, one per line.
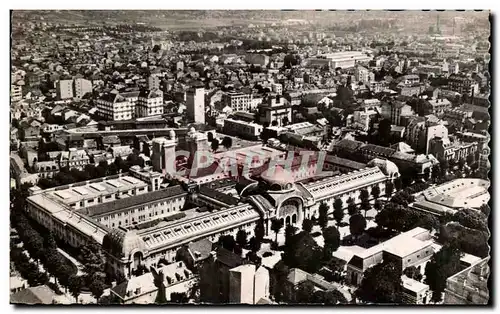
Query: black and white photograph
x=251, y=157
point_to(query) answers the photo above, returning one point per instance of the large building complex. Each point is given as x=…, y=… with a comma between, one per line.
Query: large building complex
x=345, y=59
x=113, y=210
x=454, y=195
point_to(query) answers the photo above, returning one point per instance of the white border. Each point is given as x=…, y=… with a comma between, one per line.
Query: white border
x=190, y=4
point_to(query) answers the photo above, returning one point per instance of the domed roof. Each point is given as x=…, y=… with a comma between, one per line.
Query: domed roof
x=278, y=175
x=387, y=167
x=122, y=244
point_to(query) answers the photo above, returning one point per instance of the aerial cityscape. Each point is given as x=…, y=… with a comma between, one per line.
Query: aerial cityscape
x=249, y=157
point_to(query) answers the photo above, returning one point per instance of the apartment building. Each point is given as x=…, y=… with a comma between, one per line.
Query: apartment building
x=149, y=103
x=115, y=107
x=237, y=101
x=64, y=89
x=195, y=104
x=16, y=92
x=244, y=129
x=82, y=87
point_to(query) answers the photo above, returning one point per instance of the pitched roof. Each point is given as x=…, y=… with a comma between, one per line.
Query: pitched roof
x=219, y=196
x=203, y=247
x=228, y=258
x=33, y=295
x=154, y=93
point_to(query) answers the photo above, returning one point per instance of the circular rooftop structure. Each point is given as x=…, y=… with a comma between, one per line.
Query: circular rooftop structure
x=278, y=178
x=388, y=167
x=123, y=244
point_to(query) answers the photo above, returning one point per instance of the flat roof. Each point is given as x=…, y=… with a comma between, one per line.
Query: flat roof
x=413, y=285
x=397, y=241
x=133, y=201
x=87, y=190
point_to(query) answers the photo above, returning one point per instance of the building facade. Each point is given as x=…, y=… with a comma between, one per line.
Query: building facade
x=64, y=89
x=115, y=107
x=248, y=130
x=195, y=104
x=82, y=87
x=149, y=103
x=237, y=101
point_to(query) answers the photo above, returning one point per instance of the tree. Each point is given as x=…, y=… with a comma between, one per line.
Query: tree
x=444, y=165
x=290, y=236
x=427, y=174
x=357, y=224
x=49, y=243
x=276, y=226
x=146, y=150
x=307, y=225
x=332, y=241
x=384, y=131
x=227, y=142
x=330, y=297
x=470, y=159
x=178, y=297
x=241, y=238
x=323, y=215
x=278, y=281
x=97, y=287
x=285, y=121
x=485, y=209
x=461, y=164
x=259, y=231
x=365, y=206
x=93, y=261
x=413, y=272
x=381, y=284
x=306, y=254
x=265, y=135
x=254, y=244
x=400, y=218
x=227, y=242
x=34, y=244
x=304, y=293
x=215, y=145
x=403, y=198
x=375, y=192
x=338, y=212
x=471, y=218
x=75, y=286
x=364, y=195
x=436, y=173
x=389, y=188
x=377, y=205
x=352, y=208
x=398, y=184
x=442, y=265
